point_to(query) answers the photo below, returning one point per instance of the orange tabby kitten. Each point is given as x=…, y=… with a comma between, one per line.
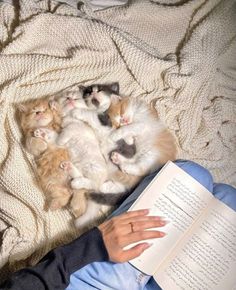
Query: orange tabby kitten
x=38, y=117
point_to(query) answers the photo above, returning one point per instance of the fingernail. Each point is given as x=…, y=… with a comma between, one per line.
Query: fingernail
x=163, y=223
x=162, y=234
x=159, y=218
x=147, y=245
x=166, y=221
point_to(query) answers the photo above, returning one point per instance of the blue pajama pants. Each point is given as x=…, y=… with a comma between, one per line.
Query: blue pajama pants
x=123, y=276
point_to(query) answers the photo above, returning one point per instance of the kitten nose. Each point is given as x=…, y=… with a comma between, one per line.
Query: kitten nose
x=95, y=102
x=38, y=113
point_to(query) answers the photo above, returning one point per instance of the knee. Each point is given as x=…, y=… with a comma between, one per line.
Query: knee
x=198, y=172
x=225, y=193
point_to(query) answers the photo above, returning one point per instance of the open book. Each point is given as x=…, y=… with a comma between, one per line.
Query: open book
x=199, y=250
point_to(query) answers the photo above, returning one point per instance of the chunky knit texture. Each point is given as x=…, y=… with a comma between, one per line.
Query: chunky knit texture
x=180, y=55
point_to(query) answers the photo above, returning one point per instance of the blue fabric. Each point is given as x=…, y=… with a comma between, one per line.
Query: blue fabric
x=107, y=275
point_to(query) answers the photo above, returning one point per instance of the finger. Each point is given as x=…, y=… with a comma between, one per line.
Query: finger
x=139, y=236
x=143, y=225
x=143, y=218
x=134, y=252
x=137, y=226
x=124, y=218
x=123, y=226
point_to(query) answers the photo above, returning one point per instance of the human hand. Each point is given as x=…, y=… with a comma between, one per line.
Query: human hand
x=128, y=228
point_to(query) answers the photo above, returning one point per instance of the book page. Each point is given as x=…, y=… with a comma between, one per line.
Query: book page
x=206, y=259
x=180, y=199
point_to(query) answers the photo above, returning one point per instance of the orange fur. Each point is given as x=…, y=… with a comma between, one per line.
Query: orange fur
x=165, y=144
x=129, y=181
x=53, y=179
x=27, y=116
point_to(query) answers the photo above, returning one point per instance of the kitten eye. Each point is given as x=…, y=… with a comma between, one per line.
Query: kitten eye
x=37, y=112
x=88, y=91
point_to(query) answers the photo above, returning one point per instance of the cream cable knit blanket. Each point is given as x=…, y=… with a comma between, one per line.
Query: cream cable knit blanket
x=181, y=55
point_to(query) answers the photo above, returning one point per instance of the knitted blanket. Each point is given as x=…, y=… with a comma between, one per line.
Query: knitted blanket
x=179, y=53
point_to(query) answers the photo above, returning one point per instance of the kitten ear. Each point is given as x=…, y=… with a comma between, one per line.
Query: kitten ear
x=52, y=103
x=21, y=108
x=115, y=88
x=115, y=98
x=51, y=98
x=81, y=90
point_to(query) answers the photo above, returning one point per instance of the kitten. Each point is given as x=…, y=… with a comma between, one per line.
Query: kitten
x=136, y=120
x=87, y=167
x=36, y=114
x=38, y=118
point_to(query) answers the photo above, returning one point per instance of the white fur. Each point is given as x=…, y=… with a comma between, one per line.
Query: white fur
x=83, y=145
x=89, y=143
x=144, y=128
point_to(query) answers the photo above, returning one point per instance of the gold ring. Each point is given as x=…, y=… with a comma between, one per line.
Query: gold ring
x=132, y=227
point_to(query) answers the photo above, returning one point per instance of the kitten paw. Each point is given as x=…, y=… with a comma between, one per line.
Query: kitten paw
x=76, y=113
x=115, y=157
x=129, y=140
x=124, y=169
x=66, y=165
x=53, y=105
x=40, y=133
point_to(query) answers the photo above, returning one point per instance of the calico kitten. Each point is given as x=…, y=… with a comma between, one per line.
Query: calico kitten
x=98, y=96
x=38, y=118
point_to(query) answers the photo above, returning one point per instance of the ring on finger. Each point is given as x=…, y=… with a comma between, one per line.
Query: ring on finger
x=132, y=227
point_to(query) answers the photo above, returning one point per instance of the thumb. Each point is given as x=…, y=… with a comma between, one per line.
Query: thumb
x=136, y=251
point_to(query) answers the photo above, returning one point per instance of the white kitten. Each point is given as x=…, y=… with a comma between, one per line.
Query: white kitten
x=89, y=169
